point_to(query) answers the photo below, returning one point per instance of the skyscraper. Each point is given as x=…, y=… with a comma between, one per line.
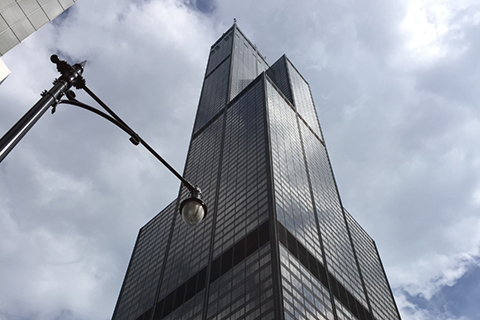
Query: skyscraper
x=21, y=18
x=277, y=242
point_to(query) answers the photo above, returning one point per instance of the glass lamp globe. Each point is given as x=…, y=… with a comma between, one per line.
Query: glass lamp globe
x=193, y=210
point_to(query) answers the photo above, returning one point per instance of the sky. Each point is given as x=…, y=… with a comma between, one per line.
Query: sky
x=395, y=85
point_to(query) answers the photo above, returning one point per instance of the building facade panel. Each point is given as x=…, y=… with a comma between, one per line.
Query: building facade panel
x=214, y=95
x=242, y=200
x=279, y=74
x=143, y=274
x=247, y=64
x=245, y=291
x=189, y=248
x=336, y=241
x=220, y=51
x=376, y=283
x=19, y=19
x=293, y=202
x=188, y=310
x=304, y=296
x=303, y=99
x=343, y=313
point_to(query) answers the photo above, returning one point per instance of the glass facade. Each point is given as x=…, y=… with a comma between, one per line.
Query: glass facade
x=294, y=205
x=276, y=243
x=247, y=64
x=304, y=296
x=376, y=283
x=143, y=273
x=337, y=244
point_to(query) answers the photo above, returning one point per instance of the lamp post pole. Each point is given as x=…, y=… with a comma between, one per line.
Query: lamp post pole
x=71, y=75
x=192, y=209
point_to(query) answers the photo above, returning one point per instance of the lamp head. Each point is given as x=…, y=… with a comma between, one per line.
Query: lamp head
x=193, y=209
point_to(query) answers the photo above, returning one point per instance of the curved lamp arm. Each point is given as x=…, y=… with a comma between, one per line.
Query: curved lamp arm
x=193, y=209
x=134, y=137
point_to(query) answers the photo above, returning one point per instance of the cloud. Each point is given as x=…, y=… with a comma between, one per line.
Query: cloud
x=75, y=186
x=398, y=108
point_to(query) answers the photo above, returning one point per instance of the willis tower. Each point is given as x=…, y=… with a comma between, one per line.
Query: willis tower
x=276, y=242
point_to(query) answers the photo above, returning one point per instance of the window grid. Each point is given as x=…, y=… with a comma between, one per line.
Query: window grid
x=245, y=291
x=191, y=309
x=292, y=194
x=304, y=297
x=193, y=288
x=243, y=190
x=378, y=290
x=279, y=75
x=336, y=241
x=219, y=51
x=140, y=285
x=213, y=97
x=247, y=64
x=189, y=247
x=303, y=99
x=327, y=279
x=342, y=312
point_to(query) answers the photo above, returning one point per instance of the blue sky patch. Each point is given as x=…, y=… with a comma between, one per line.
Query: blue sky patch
x=459, y=300
x=204, y=6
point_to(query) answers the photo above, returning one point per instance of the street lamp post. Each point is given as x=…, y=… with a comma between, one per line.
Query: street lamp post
x=192, y=209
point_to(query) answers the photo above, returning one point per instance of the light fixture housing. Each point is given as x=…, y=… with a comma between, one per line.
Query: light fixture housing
x=193, y=209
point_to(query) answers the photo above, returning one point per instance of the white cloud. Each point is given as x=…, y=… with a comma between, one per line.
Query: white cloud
x=394, y=87
x=412, y=312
